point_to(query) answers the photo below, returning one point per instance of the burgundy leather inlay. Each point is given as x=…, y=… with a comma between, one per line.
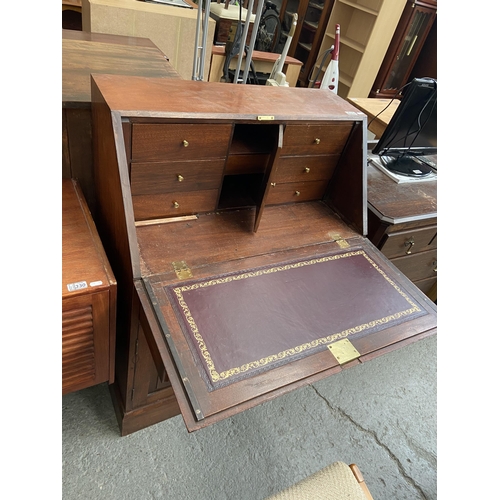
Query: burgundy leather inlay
x=242, y=323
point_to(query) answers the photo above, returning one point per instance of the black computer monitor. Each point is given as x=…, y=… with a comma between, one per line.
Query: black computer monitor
x=412, y=131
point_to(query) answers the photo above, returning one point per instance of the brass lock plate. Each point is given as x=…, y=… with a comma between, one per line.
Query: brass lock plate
x=343, y=351
x=341, y=242
x=182, y=270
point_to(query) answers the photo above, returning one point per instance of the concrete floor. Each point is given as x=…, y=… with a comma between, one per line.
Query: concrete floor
x=380, y=415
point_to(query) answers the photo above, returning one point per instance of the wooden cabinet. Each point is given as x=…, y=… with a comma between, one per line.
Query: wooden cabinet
x=88, y=297
x=245, y=297
x=415, y=24
x=312, y=18
x=366, y=29
x=402, y=223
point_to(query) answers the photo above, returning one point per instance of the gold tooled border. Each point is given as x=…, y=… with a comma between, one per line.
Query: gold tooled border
x=216, y=376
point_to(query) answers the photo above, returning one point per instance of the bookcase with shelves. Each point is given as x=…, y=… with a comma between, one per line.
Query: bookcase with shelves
x=312, y=19
x=366, y=30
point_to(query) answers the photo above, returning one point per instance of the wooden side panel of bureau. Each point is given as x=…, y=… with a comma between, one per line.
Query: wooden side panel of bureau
x=88, y=297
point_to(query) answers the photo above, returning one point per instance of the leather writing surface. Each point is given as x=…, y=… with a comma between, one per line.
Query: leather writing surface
x=243, y=323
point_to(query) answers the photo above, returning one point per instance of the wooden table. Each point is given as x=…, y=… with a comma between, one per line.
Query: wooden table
x=379, y=112
x=263, y=62
x=84, y=53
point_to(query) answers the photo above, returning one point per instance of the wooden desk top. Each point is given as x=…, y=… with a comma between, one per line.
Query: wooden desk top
x=84, y=53
x=372, y=107
x=402, y=202
x=258, y=55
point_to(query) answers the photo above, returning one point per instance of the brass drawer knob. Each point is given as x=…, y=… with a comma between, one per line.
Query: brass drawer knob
x=185, y=143
x=435, y=266
x=175, y=204
x=180, y=178
x=317, y=140
x=273, y=184
x=409, y=243
x=297, y=193
x=307, y=170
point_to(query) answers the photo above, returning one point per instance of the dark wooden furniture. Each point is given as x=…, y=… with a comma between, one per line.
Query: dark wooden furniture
x=416, y=22
x=256, y=197
x=88, y=298
x=84, y=53
x=402, y=222
x=313, y=17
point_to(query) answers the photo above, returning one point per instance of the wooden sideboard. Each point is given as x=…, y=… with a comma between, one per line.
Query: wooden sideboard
x=88, y=297
x=235, y=219
x=84, y=53
x=402, y=221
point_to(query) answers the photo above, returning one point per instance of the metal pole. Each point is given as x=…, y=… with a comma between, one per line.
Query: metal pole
x=196, y=43
x=200, y=50
x=256, y=22
x=243, y=41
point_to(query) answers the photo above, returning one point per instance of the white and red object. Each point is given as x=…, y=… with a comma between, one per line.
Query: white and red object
x=330, y=79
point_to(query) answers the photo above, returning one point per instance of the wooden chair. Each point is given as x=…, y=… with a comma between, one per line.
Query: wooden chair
x=337, y=481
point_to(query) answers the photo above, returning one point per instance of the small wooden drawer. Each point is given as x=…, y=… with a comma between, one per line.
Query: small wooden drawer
x=157, y=206
x=409, y=242
x=305, y=168
x=167, y=177
x=246, y=164
x=315, y=139
x=419, y=266
x=156, y=141
x=291, y=192
x=427, y=285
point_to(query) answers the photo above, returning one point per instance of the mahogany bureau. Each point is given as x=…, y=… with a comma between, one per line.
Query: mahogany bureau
x=235, y=218
x=88, y=297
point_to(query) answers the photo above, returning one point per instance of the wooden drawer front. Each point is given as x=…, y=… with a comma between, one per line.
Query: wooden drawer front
x=419, y=266
x=157, y=178
x=305, y=168
x=315, y=139
x=296, y=191
x=418, y=240
x=157, y=206
x=426, y=285
x=246, y=164
x=166, y=141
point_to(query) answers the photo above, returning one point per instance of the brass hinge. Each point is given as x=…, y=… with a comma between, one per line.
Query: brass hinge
x=342, y=242
x=343, y=351
x=182, y=270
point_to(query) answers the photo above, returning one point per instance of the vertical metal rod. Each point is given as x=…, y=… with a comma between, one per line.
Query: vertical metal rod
x=205, y=36
x=196, y=43
x=243, y=41
x=200, y=50
x=255, y=30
